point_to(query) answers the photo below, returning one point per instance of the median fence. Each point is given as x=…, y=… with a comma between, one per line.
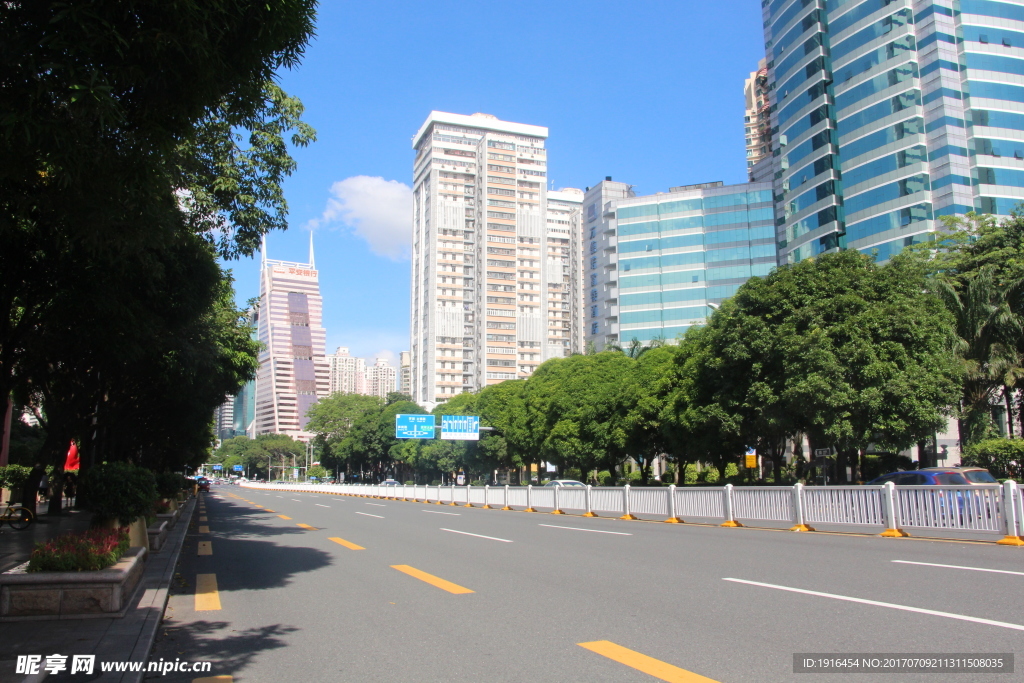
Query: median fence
x=893, y=510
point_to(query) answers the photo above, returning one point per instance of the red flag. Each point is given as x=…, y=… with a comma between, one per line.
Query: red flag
x=72, y=462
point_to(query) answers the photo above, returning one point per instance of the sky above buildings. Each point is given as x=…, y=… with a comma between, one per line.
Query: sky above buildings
x=650, y=93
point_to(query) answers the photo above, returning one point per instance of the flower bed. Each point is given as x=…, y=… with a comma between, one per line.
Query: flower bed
x=75, y=552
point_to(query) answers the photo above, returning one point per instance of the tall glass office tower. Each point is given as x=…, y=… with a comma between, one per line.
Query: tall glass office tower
x=889, y=115
x=653, y=266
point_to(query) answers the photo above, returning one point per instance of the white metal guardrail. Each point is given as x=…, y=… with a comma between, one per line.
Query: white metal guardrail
x=992, y=509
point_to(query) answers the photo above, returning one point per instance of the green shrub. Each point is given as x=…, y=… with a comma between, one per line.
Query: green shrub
x=13, y=476
x=318, y=471
x=1001, y=457
x=435, y=482
x=731, y=470
x=168, y=484
x=572, y=473
x=690, y=474
x=410, y=483
x=83, y=551
x=118, y=490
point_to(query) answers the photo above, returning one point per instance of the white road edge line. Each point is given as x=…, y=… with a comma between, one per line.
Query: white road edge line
x=466, y=533
x=297, y=501
x=367, y=514
x=576, y=528
x=876, y=603
x=321, y=506
x=956, y=566
x=380, y=505
x=438, y=512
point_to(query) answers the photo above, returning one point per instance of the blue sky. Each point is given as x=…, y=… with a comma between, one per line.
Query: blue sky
x=648, y=92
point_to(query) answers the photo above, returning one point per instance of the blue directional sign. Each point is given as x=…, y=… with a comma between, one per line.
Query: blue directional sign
x=414, y=426
x=217, y=467
x=238, y=468
x=460, y=427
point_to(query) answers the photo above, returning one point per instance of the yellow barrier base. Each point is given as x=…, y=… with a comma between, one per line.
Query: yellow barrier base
x=801, y=527
x=589, y=514
x=894, y=533
x=529, y=510
x=1010, y=540
x=731, y=523
x=628, y=517
x=557, y=512
x=486, y=507
x=506, y=508
x=673, y=520
x=468, y=505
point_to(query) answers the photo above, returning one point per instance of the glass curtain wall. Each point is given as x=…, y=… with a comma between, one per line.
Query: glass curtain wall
x=891, y=114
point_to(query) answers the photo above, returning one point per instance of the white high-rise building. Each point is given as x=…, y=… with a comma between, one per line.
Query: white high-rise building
x=293, y=373
x=405, y=373
x=488, y=255
x=348, y=373
x=381, y=378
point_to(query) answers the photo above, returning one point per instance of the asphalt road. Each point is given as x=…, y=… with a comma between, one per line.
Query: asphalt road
x=523, y=592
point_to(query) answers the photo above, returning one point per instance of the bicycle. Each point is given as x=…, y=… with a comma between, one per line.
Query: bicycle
x=17, y=516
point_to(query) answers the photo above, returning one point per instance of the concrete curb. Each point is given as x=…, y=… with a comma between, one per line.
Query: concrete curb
x=156, y=588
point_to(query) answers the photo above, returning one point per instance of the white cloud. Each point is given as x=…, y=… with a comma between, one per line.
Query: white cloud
x=378, y=210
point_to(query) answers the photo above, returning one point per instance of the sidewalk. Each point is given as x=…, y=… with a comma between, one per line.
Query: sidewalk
x=129, y=638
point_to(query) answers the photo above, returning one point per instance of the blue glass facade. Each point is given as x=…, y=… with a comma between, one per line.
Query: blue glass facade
x=665, y=257
x=891, y=114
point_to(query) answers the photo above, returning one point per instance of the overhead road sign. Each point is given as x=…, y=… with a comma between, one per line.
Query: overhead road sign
x=217, y=468
x=460, y=427
x=414, y=426
x=238, y=468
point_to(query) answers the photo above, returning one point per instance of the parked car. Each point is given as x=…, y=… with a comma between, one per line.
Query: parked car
x=390, y=482
x=925, y=477
x=977, y=476
x=564, y=482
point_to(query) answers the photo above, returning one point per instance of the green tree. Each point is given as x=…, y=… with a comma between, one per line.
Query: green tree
x=332, y=419
x=847, y=351
x=571, y=403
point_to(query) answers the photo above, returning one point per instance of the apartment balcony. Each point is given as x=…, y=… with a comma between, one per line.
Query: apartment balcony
x=613, y=312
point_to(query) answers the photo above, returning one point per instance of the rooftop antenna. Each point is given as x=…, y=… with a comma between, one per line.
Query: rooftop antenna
x=263, y=251
x=312, y=263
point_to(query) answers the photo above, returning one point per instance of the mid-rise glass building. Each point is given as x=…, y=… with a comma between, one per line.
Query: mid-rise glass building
x=889, y=114
x=652, y=264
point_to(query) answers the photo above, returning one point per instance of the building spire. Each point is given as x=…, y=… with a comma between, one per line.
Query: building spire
x=263, y=251
x=312, y=263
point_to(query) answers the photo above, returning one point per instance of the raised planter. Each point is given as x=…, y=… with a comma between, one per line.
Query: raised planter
x=72, y=595
x=170, y=517
x=157, y=532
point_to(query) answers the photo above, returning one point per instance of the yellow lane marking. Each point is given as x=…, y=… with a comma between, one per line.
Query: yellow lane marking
x=640, y=662
x=306, y=526
x=204, y=529
x=267, y=510
x=348, y=544
x=431, y=579
x=204, y=518
x=259, y=506
x=214, y=679
x=205, y=548
x=284, y=516
x=207, y=597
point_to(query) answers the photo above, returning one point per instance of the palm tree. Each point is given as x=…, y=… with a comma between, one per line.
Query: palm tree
x=637, y=348
x=987, y=333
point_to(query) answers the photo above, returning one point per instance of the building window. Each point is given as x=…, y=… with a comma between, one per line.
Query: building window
x=593, y=311
x=593, y=262
x=593, y=328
